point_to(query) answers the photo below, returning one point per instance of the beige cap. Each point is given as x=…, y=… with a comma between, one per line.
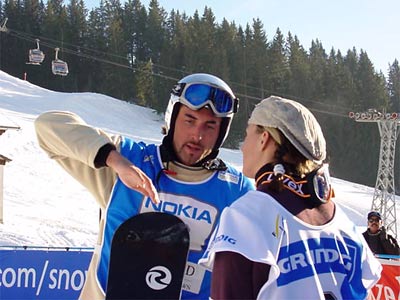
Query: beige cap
x=296, y=122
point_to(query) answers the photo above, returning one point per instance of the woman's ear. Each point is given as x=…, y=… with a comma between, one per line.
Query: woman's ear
x=265, y=139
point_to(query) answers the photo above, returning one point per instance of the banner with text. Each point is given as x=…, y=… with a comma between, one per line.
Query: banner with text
x=388, y=287
x=42, y=274
x=60, y=274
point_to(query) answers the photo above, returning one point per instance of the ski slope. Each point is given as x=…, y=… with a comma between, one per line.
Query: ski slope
x=43, y=206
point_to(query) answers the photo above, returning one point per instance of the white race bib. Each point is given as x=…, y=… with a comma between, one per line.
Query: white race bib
x=193, y=277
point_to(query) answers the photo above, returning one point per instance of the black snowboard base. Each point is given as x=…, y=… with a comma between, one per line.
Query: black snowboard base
x=148, y=258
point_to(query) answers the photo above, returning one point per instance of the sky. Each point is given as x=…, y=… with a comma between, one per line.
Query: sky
x=43, y=206
x=368, y=25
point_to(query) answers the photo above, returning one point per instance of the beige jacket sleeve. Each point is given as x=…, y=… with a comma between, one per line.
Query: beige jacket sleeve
x=72, y=143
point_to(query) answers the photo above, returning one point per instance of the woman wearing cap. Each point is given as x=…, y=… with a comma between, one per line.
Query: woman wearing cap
x=287, y=239
x=377, y=238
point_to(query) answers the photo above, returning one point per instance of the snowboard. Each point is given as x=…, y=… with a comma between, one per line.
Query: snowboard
x=148, y=258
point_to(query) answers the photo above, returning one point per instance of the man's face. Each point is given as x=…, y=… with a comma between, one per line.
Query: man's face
x=374, y=223
x=196, y=132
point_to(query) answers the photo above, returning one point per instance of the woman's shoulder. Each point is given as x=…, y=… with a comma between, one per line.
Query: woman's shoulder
x=255, y=199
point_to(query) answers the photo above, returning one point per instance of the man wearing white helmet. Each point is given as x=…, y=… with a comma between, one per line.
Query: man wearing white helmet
x=183, y=171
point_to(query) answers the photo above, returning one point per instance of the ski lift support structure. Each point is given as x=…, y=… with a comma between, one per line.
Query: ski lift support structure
x=384, y=199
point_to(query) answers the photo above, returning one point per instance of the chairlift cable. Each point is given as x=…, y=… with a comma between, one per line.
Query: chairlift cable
x=32, y=38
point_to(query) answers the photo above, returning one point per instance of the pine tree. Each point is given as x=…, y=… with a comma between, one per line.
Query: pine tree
x=117, y=73
x=13, y=49
x=256, y=46
x=394, y=86
x=229, y=51
x=96, y=41
x=76, y=34
x=145, y=85
x=299, y=69
x=277, y=72
x=155, y=32
x=157, y=45
x=134, y=24
x=33, y=16
x=370, y=87
x=175, y=55
x=318, y=60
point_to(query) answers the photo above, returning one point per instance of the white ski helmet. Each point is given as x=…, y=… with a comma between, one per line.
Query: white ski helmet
x=197, y=91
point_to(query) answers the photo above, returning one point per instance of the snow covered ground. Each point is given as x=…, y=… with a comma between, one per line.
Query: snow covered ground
x=43, y=206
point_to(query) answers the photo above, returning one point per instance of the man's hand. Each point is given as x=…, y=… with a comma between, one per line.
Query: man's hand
x=382, y=234
x=132, y=176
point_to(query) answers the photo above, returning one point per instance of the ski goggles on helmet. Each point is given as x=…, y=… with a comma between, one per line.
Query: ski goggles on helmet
x=198, y=95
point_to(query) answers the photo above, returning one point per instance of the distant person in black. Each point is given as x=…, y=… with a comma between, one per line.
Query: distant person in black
x=377, y=238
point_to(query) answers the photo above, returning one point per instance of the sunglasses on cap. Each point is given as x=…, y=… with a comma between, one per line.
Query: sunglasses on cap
x=373, y=220
x=198, y=95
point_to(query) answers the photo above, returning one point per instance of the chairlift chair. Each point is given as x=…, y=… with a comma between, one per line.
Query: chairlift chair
x=58, y=66
x=36, y=56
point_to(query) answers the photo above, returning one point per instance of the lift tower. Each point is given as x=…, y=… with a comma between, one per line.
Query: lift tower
x=384, y=193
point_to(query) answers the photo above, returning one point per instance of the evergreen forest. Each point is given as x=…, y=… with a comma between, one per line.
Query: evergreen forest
x=137, y=53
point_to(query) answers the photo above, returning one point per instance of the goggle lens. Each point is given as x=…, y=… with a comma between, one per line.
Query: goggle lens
x=321, y=183
x=199, y=95
x=322, y=187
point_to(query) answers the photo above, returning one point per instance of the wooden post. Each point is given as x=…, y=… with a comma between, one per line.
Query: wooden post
x=3, y=161
x=1, y=192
